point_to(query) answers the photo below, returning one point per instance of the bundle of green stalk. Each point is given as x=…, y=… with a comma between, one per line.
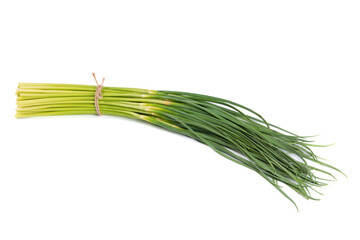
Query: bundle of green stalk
x=232, y=130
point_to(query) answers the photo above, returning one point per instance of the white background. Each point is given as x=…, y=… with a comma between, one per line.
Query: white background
x=90, y=177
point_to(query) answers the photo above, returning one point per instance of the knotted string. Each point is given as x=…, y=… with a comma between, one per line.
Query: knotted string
x=98, y=94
